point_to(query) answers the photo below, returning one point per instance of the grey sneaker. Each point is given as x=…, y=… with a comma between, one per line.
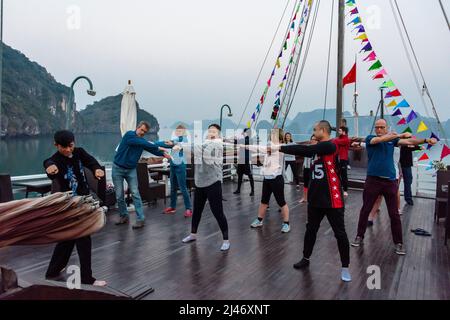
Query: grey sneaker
x=357, y=242
x=123, y=220
x=256, y=224
x=400, y=249
x=139, y=224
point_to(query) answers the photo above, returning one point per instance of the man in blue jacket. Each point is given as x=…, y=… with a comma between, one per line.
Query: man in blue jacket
x=124, y=168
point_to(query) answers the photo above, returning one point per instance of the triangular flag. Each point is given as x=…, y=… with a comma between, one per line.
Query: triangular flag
x=278, y=93
x=402, y=121
x=354, y=11
x=291, y=60
x=445, y=151
x=424, y=157
x=285, y=45
x=394, y=93
x=376, y=65
x=397, y=113
x=371, y=57
x=422, y=127
x=380, y=74
x=281, y=54
x=288, y=36
x=262, y=99
x=285, y=76
x=411, y=116
x=407, y=130
x=258, y=107
x=253, y=116
x=265, y=90
x=388, y=84
x=429, y=166
x=281, y=85
x=350, y=2
x=278, y=63
x=393, y=103
x=277, y=102
x=273, y=72
x=360, y=28
x=403, y=104
x=435, y=136
x=361, y=37
x=350, y=76
x=249, y=124
x=355, y=21
x=367, y=47
x=293, y=25
x=269, y=82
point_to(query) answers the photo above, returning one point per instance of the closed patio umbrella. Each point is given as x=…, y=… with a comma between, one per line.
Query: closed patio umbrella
x=128, y=112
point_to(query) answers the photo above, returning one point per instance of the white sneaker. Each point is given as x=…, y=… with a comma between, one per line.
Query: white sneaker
x=256, y=223
x=345, y=194
x=99, y=283
x=225, y=245
x=189, y=238
x=345, y=275
x=285, y=228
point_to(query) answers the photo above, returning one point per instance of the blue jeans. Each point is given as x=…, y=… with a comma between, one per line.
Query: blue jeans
x=407, y=182
x=178, y=179
x=118, y=175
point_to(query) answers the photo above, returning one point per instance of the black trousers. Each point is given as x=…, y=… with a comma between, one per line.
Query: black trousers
x=294, y=168
x=336, y=219
x=343, y=171
x=61, y=255
x=245, y=169
x=212, y=194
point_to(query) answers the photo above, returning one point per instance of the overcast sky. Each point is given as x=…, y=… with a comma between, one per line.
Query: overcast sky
x=187, y=58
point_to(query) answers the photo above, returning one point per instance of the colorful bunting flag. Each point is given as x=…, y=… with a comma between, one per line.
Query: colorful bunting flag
x=253, y=116
x=269, y=82
x=293, y=25
x=412, y=115
x=355, y=21
x=281, y=54
x=273, y=72
x=388, y=84
x=393, y=103
x=424, y=157
x=350, y=3
x=435, y=136
x=429, y=166
x=285, y=45
x=422, y=127
x=367, y=47
x=350, y=77
x=262, y=99
x=354, y=11
x=371, y=57
x=285, y=76
x=380, y=74
x=249, y=124
x=397, y=113
x=281, y=85
x=278, y=63
x=402, y=121
x=403, y=104
x=278, y=93
x=376, y=65
x=360, y=29
x=362, y=37
x=258, y=108
x=407, y=130
x=445, y=151
x=394, y=93
x=277, y=102
x=288, y=36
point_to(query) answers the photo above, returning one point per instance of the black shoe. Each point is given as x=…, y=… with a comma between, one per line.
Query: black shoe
x=302, y=264
x=369, y=223
x=410, y=202
x=252, y=194
x=237, y=192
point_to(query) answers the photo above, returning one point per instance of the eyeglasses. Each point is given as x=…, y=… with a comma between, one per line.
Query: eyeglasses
x=380, y=127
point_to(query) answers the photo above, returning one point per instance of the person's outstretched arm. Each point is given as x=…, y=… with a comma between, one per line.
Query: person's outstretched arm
x=309, y=150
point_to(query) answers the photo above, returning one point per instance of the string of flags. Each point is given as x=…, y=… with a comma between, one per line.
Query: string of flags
x=398, y=105
x=292, y=25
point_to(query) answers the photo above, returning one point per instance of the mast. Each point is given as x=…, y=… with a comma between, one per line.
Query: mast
x=340, y=61
x=355, y=105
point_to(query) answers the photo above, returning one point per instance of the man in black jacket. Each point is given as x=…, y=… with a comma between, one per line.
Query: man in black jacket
x=66, y=166
x=406, y=162
x=325, y=195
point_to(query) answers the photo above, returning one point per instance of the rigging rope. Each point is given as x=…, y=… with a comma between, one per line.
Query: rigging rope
x=263, y=64
x=282, y=44
x=329, y=56
x=308, y=45
x=424, y=87
x=445, y=14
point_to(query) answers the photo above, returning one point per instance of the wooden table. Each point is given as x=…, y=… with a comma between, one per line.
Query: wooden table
x=40, y=186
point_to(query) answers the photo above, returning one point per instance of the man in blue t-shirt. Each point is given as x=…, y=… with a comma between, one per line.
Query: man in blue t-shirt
x=381, y=179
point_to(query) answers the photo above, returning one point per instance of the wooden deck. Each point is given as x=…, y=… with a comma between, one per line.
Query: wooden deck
x=259, y=263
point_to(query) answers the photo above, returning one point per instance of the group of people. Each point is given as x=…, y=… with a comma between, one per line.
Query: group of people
x=325, y=182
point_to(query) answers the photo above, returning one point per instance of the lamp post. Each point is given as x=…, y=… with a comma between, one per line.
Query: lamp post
x=90, y=92
x=221, y=111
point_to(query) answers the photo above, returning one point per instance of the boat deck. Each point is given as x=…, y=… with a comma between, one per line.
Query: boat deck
x=259, y=263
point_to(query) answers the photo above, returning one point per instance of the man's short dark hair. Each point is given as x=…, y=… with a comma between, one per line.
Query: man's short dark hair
x=143, y=123
x=215, y=125
x=345, y=129
x=324, y=124
x=64, y=138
